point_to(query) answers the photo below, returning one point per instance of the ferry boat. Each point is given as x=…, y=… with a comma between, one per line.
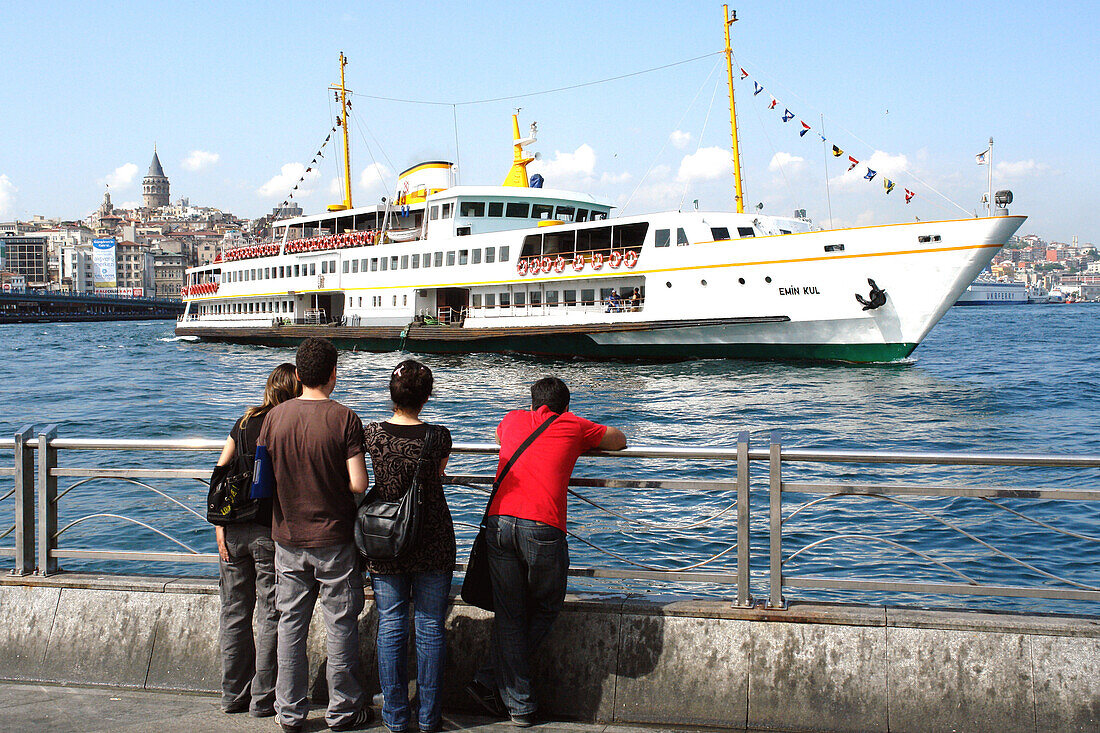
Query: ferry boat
x=445, y=268
x=988, y=291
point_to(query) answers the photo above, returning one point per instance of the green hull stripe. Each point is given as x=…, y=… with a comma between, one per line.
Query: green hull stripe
x=580, y=345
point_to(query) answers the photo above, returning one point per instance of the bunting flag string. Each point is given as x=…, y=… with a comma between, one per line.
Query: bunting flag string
x=869, y=174
x=309, y=169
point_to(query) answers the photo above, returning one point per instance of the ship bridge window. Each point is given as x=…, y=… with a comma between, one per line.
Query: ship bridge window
x=928, y=238
x=582, y=215
x=435, y=213
x=532, y=246
x=463, y=256
x=541, y=211
x=517, y=211
x=566, y=213
x=472, y=208
x=451, y=258
x=834, y=247
x=593, y=240
x=629, y=237
x=720, y=234
x=503, y=254
x=558, y=243
x=476, y=257
x=496, y=208
x=447, y=209
x=745, y=232
x=662, y=237
x=681, y=237
x=490, y=254
x=462, y=232
x=598, y=215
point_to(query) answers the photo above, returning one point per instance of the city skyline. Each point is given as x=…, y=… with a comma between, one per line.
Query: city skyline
x=236, y=104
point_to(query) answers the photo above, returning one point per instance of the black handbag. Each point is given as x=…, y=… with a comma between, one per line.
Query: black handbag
x=228, y=500
x=386, y=530
x=477, y=584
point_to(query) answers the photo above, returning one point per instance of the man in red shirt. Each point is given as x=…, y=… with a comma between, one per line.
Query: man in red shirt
x=525, y=537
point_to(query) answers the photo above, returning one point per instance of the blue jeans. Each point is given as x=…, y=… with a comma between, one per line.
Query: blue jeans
x=528, y=562
x=430, y=594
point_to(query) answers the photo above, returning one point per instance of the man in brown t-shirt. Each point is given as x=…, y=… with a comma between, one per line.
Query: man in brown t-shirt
x=316, y=447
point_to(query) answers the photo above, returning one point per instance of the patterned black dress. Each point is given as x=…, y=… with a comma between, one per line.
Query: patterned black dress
x=393, y=450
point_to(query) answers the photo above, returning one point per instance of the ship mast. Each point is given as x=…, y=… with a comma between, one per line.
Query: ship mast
x=727, y=21
x=343, y=122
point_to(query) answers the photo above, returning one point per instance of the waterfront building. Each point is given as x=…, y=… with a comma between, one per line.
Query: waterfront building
x=168, y=273
x=135, y=269
x=77, y=274
x=26, y=256
x=155, y=186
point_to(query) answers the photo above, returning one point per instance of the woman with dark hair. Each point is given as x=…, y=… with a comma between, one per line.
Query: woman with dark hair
x=247, y=571
x=423, y=573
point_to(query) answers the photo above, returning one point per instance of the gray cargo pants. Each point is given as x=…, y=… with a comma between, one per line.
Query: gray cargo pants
x=247, y=585
x=303, y=575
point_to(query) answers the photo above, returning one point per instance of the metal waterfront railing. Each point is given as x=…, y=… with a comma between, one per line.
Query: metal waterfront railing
x=38, y=544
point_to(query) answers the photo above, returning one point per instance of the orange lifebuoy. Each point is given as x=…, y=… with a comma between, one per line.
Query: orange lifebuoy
x=546, y=264
x=559, y=264
x=597, y=261
x=521, y=266
x=615, y=260
x=578, y=263
x=631, y=259
x=533, y=266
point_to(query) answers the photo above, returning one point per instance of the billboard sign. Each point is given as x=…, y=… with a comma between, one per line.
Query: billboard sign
x=104, y=273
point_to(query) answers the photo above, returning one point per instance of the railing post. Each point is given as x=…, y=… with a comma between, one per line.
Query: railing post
x=47, y=501
x=24, y=501
x=744, y=589
x=775, y=516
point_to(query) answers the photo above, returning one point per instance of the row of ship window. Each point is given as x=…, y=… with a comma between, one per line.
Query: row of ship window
x=515, y=210
x=449, y=258
x=373, y=264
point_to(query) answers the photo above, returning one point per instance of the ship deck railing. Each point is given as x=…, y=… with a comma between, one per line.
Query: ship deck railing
x=720, y=522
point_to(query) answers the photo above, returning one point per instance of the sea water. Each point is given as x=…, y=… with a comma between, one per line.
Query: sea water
x=996, y=379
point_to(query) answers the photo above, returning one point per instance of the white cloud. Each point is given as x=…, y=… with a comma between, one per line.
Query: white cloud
x=122, y=176
x=610, y=179
x=7, y=196
x=882, y=163
x=130, y=205
x=1020, y=168
x=199, y=159
x=373, y=177
x=567, y=166
x=680, y=139
x=705, y=164
x=335, y=187
x=786, y=161
x=280, y=185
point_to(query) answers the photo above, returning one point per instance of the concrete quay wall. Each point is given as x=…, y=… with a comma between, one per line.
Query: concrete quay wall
x=622, y=659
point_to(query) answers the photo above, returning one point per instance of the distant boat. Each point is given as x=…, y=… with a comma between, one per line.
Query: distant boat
x=986, y=291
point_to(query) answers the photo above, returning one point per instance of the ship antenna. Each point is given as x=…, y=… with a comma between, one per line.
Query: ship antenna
x=729, y=19
x=343, y=122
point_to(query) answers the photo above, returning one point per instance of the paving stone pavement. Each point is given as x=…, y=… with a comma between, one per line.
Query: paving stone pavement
x=25, y=708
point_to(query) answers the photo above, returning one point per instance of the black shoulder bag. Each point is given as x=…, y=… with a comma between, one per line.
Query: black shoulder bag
x=477, y=585
x=228, y=501
x=386, y=530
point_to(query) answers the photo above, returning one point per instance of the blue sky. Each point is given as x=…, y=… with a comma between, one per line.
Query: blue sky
x=234, y=96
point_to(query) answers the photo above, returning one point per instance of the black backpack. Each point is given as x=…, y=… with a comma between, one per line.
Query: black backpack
x=228, y=501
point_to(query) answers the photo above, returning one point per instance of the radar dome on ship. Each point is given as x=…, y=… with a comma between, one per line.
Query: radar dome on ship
x=415, y=184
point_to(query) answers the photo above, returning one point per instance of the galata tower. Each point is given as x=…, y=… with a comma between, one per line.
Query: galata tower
x=154, y=187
